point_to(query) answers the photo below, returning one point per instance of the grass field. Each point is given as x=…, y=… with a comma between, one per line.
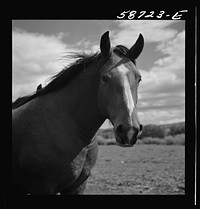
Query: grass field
x=142, y=169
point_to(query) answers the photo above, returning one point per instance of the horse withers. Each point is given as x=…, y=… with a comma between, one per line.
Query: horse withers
x=54, y=148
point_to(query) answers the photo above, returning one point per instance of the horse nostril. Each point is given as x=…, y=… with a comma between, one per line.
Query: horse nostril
x=120, y=131
x=141, y=127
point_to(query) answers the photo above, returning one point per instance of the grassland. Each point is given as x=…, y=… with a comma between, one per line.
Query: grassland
x=142, y=169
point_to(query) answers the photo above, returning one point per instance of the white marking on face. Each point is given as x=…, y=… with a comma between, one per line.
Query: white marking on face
x=130, y=134
x=128, y=95
x=122, y=69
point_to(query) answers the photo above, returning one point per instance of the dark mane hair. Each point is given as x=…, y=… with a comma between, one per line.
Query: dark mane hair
x=69, y=72
x=121, y=51
x=66, y=75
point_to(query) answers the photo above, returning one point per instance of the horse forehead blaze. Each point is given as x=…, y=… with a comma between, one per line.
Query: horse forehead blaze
x=127, y=88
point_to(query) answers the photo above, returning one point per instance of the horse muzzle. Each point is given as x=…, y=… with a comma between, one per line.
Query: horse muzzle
x=126, y=136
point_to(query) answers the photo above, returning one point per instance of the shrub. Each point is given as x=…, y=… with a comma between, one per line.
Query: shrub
x=153, y=131
x=177, y=129
x=169, y=140
x=179, y=139
x=111, y=141
x=101, y=140
x=150, y=140
x=105, y=141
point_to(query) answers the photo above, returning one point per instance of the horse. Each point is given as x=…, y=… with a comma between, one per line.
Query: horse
x=22, y=100
x=53, y=130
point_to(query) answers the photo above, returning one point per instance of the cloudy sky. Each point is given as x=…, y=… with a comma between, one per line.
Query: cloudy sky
x=38, y=46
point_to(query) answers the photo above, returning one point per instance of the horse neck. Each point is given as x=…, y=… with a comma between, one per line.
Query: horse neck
x=79, y=101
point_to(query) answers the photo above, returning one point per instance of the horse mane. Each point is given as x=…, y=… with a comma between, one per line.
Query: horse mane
x=56, y=82
x=121, y=51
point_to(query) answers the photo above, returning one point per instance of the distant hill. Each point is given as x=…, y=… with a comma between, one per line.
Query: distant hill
x=180, y=124
x=150, y=130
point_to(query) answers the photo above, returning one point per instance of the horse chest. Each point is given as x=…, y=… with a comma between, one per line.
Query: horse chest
x=80, y=168
x=77, y=164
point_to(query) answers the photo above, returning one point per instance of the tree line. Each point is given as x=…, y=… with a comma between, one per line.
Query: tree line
x=154, y=131
x=161, y=131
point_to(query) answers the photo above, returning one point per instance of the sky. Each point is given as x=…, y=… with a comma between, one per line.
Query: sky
x=39, y=45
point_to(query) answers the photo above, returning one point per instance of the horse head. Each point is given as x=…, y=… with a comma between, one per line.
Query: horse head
x=119, y=81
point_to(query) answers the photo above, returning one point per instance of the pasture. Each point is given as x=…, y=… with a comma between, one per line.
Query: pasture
x=142, y=169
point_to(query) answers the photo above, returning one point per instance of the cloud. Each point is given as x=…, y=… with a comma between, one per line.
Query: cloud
x=161, y=116
x=167, y=73
x=35, y=58
x=152, y=30
x=162, y=92
x=174, y=62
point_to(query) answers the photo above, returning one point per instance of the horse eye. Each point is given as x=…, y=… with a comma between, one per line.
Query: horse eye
x=139, y=80
x=105, y=78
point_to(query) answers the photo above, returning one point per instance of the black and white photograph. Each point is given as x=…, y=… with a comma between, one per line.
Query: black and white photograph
x=98, y=106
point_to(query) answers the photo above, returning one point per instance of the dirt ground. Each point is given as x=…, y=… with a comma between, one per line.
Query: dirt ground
x=142, y=169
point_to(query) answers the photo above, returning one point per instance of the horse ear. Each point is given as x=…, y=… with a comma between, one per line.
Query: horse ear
x=105, y=44
x=39, y=87
x=136, y=49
